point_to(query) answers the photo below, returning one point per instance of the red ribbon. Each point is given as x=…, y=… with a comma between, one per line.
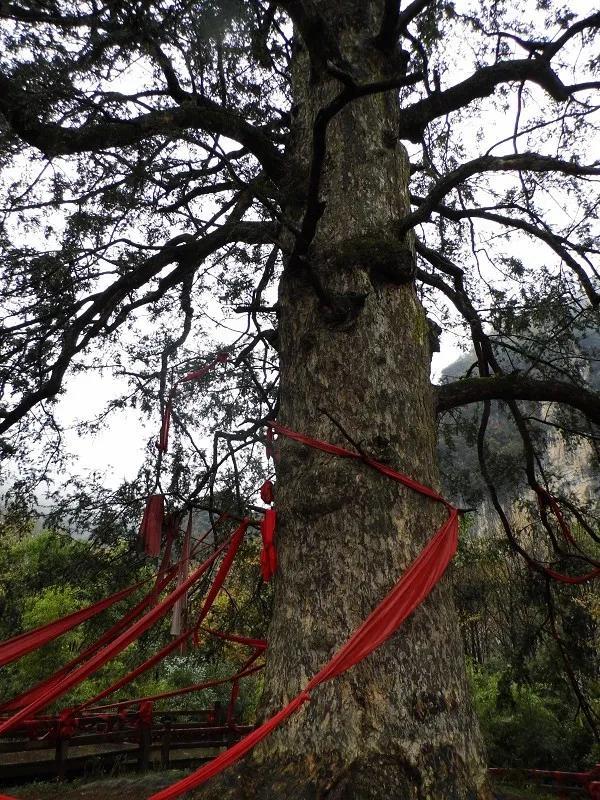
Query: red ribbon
x=152, y=523
x=405, y=596
x=115, y=647
x=266, y=492
x=67, y=724
x=163, y=437
x=145, y=712
x=24, y=643
x=268, y=555
x=546, y=500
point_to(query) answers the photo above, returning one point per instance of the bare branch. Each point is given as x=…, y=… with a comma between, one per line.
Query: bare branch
x=559, y=244
x=526, y=162
x=186, y=251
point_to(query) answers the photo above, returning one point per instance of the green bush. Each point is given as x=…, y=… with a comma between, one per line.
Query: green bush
x=526, y=727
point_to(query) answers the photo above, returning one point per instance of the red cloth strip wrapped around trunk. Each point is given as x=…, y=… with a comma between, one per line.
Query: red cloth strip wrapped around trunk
x=404, y=597
x=409, y=592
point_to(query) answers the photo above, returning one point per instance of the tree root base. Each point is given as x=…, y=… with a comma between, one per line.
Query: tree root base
x=371, y=778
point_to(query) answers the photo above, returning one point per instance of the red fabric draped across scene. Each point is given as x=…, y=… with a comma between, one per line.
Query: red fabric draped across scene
x=164, y=577
x=32, y=694
x=407, y=594
x=404, y=597
x=118, y=645
x=18, y=646
x=243, y=672
x=233, y=545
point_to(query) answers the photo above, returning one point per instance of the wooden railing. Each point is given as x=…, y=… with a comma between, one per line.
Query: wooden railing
x=563, y=784
x=167, y=739
x=126, y=742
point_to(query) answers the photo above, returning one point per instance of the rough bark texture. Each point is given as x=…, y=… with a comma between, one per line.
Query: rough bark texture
x=400, y=724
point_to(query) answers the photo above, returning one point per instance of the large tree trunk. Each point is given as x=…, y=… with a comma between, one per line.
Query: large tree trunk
x=400, y=724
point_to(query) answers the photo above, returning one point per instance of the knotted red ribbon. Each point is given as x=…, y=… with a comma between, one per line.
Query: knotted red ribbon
x=266, y=492
x=67, y=724
x=145, y=712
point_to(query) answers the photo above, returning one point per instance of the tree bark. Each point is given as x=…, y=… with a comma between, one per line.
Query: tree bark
x=400, y=724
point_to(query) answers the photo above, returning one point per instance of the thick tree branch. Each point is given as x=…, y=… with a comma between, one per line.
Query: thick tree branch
x=185, y=251
x=526, y=162
x=482, y=83
x=552, y=48
x=52, y=139
x=15, y=12
x=394, y=21
x=518, y=387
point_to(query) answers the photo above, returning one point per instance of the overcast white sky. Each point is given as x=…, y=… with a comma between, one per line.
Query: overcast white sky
x=118, y=450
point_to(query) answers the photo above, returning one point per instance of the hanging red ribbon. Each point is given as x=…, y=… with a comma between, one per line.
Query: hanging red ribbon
x=67, y=724
x=163, y=437
x=268, y=555
x=152, y=523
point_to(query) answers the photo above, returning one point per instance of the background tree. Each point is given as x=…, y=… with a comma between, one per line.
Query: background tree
x=177, y=156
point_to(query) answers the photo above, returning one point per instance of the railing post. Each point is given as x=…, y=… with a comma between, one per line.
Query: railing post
x=145, y=742
x=61, y=756
x=165, y=756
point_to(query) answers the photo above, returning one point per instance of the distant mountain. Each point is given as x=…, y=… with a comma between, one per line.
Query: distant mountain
x=572, y=466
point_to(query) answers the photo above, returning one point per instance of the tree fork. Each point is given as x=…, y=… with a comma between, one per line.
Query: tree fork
x=400, y=724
